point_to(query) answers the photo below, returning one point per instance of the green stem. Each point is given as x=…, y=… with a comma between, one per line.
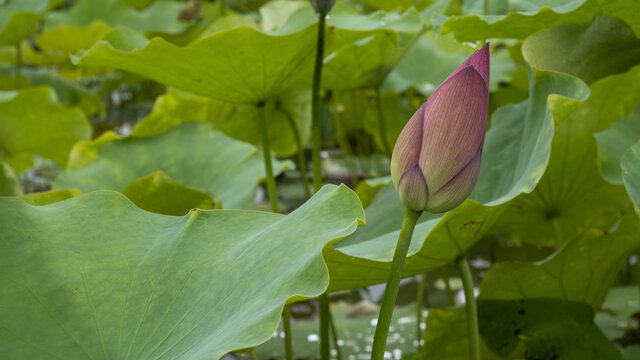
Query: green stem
x=18, y=60
x=334, y=335
x=343, y=143
x=472, y=309
x=302, y=162
x=288, y=346
x=266, y=149
x=447, y=286
x=323, y=302
x=393, y=283
x=486, y=7
x=223, y=8
x=316, y=137
x=419, y=300
x=381, y=124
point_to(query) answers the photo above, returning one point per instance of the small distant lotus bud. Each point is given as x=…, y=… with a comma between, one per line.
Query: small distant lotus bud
x=436, y=160
x=322, y=7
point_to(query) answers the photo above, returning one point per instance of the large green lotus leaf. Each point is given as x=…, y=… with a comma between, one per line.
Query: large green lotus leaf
x=613, y=142
x=19, y=19
x=549, y=329
x=69, y=93
x=631, y=174
x=589, y=51
x=264, y=66
x=516, y=152
x=535, y=15
x=9, y=184
x=572, y=196
x=33, y=121
x=159, y=193
x=162, y=16
x=100, y=278
x=446, y=336
x=583, y=270
x=193, y=154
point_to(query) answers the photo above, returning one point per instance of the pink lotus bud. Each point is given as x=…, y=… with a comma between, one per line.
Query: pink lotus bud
x=322, y=7
x=436, y=160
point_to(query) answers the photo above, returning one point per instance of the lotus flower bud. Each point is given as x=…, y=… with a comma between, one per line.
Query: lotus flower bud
x=436, y=160
x=322, y=7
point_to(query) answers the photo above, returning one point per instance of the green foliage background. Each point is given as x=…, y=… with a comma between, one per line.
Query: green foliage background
x=131, y=181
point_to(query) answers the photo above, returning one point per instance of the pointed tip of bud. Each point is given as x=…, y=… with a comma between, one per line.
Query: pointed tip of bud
x=412, y=189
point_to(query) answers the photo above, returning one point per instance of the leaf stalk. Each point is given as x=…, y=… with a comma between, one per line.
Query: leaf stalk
x=393, y=283
x=471, y=306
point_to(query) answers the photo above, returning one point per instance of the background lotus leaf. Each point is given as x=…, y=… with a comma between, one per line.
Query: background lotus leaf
x=32, y=121
x=72, y=38
x=50, y=197
x=549, y=328
x=68, y=92
x=369, y=59
x=447, y=337
x=589, y=51
x=150, y=287
x=631, y=174
x=583, y=270
x=535, y=15
x=559, y=208
x=193, y=154
x=19, y=19
x=613, y=142
x=9, y=184
x=159, y=193
x=160, y=16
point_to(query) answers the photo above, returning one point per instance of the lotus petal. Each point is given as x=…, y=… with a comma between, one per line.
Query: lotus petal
x=454, y=126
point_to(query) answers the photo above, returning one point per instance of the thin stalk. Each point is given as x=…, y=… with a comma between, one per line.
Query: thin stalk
x=486, y=7
x=393, y=284
x=472, y=309
x=18, y=60
x=447, y=286
x=381, y=125
x=334, y=335
x=266, y=149
x=343, y=143
x=302, y=162
x=325, y=318
x=288, y=345
x=316, y=137
x=223, y=8
x=419, y=300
